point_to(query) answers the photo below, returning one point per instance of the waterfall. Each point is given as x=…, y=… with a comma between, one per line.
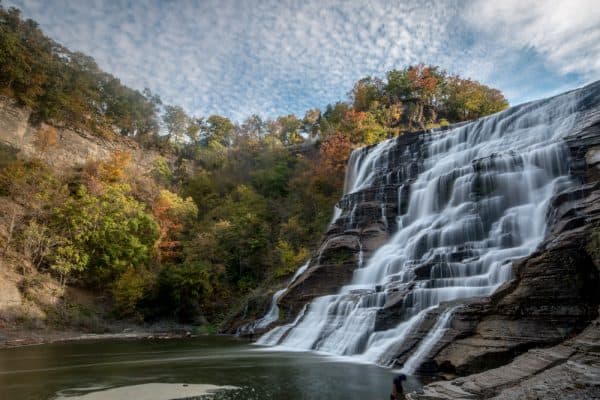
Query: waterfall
x=272, y=314
x=434, y=335
x=478, y=200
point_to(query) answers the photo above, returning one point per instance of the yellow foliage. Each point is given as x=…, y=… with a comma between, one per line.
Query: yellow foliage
x=113, y=169
x=290, y=259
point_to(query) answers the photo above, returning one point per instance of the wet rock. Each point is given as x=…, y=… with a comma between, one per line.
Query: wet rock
x=570, y=370
x=551, y=301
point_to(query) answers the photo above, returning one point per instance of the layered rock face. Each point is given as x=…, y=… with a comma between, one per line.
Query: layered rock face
x=455, y=252
x=69, y=148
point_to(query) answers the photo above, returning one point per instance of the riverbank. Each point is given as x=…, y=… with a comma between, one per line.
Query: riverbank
x=23, y=337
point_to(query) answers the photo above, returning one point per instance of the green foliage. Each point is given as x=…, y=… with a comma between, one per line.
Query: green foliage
x=290, y=258
x=218, y=129
x=177, y=123
x=105, y=234
x=183, y=288
x=206, y=329
x=243, y=234
x=129, y=289
x=161, y=171
x=23, y=179
x=67, y=258
x=36, y=241
x=366, y=93
x=67, y=87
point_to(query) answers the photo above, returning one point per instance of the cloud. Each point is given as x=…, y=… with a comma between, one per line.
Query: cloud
x=565, y=33
x=274, y=57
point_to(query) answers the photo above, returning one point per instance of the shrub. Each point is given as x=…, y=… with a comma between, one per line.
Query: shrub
x=129, y=289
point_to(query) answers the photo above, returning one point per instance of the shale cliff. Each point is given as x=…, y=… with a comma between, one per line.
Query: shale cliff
x=66, y=147
x=549, y=297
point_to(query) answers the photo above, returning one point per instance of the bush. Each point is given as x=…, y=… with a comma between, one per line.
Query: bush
x=183, y=289
x=129, y=289
x=161, y=171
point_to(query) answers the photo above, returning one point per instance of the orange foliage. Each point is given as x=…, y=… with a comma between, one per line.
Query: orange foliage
x=425, y=80
x=334, y=153
x=113, y=169
x=168, y=225
x=46, y=137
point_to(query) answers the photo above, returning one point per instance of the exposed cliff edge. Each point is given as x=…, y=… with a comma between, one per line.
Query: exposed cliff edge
x=550, y=297
x=69, y=148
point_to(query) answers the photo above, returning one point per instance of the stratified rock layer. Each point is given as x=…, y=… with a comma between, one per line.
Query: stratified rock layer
x=551, y=296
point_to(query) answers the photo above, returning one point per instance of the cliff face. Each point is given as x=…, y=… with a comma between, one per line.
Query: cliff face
x=71, y=148
x=29, y=298
x=550, y=296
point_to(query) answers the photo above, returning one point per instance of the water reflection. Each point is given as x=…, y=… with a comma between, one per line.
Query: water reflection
x=49, y=371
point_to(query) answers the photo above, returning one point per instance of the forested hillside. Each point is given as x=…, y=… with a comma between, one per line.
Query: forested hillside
x=231, y=207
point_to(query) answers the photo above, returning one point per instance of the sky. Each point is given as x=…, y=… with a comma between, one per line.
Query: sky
x=276, y=57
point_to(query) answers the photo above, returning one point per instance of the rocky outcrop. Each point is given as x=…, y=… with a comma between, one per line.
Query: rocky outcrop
x=554, y=293
x=552, y=301
x=570, y=370
x=68, y=148
x=366, y=221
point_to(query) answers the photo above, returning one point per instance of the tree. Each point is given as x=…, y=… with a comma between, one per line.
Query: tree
x=311, y=122
x=242, y=233
x=130, y=288
x=185, y=288
x=362, y=127
x=114, y=169
x=218, y=129
x=334, y=154
x=103, y=234
x=172, y=213
x=176, y=122
x=287, y=129
x=253, y=128
x=332, y=117
x=467, y=99
x=68, y=88
x=366, y=93
x=193, y=130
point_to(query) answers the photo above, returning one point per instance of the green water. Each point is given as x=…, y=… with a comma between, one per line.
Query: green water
x=47, y=371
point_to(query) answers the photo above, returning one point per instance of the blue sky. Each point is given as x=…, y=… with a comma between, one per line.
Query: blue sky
x=274, y=57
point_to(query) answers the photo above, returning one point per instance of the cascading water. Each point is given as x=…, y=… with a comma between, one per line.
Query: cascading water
x=478, y=200
x=272, y=314
x=434, y=335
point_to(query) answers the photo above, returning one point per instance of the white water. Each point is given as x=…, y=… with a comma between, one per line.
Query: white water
x=299, y=272
x=478, y=201
x=272, y=314
x=425, y=347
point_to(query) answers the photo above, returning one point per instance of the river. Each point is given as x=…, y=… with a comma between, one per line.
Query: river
x=107, y=369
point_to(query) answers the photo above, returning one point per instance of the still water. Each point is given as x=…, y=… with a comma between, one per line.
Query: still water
x=107, y=369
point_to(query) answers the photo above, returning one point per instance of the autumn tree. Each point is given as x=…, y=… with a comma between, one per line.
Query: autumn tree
x=367, y=93
x=218, y=129
x=176, y=123
x=172, y=213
